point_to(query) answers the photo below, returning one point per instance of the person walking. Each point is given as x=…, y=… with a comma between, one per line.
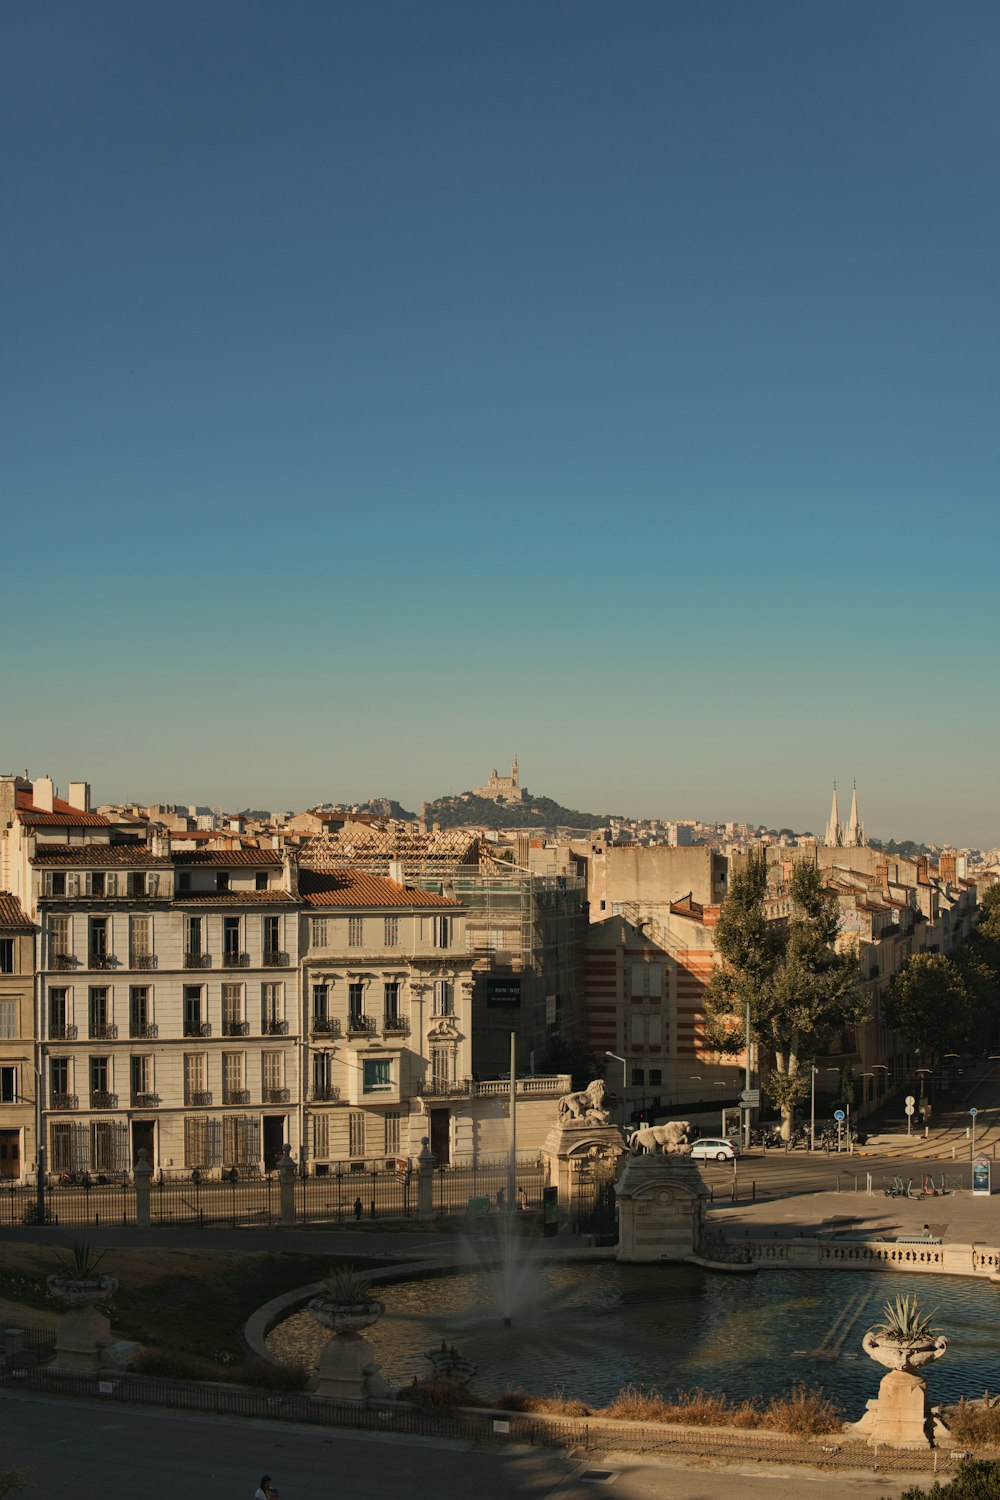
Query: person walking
x=265, y=1490
x=359, y=1208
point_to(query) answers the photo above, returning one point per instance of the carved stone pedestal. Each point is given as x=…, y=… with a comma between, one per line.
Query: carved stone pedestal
x=659, y=1208
x=82, y=1336
x=899, y=1416
x=347, y=1370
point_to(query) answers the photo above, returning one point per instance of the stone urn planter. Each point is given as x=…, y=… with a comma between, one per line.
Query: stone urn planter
x=83, y=1333
x=347, y=1369
x=900, y=1416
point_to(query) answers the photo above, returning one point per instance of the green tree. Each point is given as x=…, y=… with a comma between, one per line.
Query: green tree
x=574, y=1058
x=12, y=1480
x=798, y=986
x=977, y=1479
x=927, y=999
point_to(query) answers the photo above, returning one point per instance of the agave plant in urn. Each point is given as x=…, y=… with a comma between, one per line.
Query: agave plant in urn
x=80, y=1286
x=904, y=1341
x=346, y=1368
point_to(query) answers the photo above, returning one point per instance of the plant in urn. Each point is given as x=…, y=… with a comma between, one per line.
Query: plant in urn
x=904, y=1342
x=79, y=1286
x=346, y=1368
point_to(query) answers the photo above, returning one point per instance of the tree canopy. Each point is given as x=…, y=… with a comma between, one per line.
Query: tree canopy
x=928, y=1000
x=799, y=988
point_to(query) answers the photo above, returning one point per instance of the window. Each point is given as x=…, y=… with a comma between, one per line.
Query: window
x=638, y=1077
x=222, y=880
x=192, y=939
x=444, y=997
x=355, y=1004
x=138, y=1010
x=231, y=938
x=141, y=1075
x=98, y=939
x=355, y=931
x=194, y=1077
x=647, y=981
x=196, y=1138
x=232, y=1077
x=356, y=1133
x=241, y=1140
x=184, y=880
x=59, y=1076
x=272, y=1073
x=655, y=1030
x=655, y=1077
x=59, y=944
x=319, y=932
x=100, y=1072
x=107, y=1146
x=392, y=1133
x=260, y=880
x=8, y=1019
x=441, y=1066
x=272, y=934
x=322, y=1072
x=100, y=1025
x=232, y=1010
x=391, y=1001
x=638, y=1030
x=95, y=883
x=391, y=932
x=192, y=1010
x=321, y=1002
x=442, y=932
x=58, y=1013
x=139, y=940
x=62, y=1148
x=6, y=955
x=321, y=1135
x=136, y=883
x=55, y=883
x=8, y=1085
x=272, y=1007
x=377, y=1074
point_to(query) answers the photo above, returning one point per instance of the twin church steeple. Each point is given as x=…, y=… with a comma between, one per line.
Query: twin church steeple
x=839, y=835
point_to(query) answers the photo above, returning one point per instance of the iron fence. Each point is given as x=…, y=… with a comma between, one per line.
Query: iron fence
x=245, y=1202
x=100, y=1203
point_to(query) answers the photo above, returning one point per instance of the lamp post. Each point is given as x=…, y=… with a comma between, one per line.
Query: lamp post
x=624, y=1064
x=812, y=1107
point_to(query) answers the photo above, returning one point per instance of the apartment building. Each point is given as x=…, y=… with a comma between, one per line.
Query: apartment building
x=17, y=1041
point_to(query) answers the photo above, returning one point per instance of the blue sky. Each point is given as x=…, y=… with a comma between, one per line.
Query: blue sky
x=388, y=387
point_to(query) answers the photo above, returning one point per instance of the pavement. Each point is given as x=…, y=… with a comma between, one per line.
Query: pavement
x=74, y=1451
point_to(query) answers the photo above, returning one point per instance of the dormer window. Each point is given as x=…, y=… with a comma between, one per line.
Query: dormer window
x=97, y=883
x=57, y=883
x=261, y=880
x=222, y=880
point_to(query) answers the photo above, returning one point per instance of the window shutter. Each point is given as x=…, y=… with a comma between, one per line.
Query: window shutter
x=638, y=970
x=656, y=981
x=153, y=884
x=72, y=885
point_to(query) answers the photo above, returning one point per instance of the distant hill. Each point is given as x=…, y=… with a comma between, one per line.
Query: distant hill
x=533, y=812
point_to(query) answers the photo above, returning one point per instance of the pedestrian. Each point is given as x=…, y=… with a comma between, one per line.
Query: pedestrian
x=359, y=1208
x=371, y=1211
x=501, y=1200
x=265, y=1490
x=522, y=1200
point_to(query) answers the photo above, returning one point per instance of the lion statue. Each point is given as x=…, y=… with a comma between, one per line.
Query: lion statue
x=673, y=1139
x=586, y=1106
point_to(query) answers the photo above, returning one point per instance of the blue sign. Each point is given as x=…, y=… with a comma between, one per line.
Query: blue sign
x=973, y=1112
x=981, y=1176
x=839, y=1115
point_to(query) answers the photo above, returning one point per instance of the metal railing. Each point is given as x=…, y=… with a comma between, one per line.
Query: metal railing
x=143, y=960
x=64, y=1101
x=101, y=1099
x=275, y=1096
x=445, y=1088
x=324, y=1093
x=145, y=1100
x=236, y=1096
x=235, y=1028
x=234, y=960
x=102, y=961
x=273, y=1026
x=103, y=1031
x=197, y=1028
x=62, y=961
x=396, y=1026
x=65, y=1031
x=197, y=960
x=197, y=1098
x=143, y=1031
x=361, y=1026
x=275, y=959
x=325, y=1026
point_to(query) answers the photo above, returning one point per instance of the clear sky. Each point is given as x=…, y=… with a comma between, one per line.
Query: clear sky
x=388, y=386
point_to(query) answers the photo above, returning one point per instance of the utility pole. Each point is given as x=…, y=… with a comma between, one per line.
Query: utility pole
x=512, y=1159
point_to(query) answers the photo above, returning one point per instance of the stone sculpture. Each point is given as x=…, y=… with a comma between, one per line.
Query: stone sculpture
x=673, y=1139
x=586, y=1106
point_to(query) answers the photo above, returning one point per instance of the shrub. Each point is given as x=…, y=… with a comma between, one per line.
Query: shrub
x=904, y=1323
x=807, y=1412
x=974, y=1422
x=803, y=1413
x=347, y=1286
x=514, y=1399
x=439, y=1393
x=272, y=1377
x=173, y=1364
x=976, y=1479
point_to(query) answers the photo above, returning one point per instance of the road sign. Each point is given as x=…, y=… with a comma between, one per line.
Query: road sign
x=973, y=1112
x=981, y=1177
x=839, y=1115
x=750, y=1098
x=910, y=1099
x=909, y=1106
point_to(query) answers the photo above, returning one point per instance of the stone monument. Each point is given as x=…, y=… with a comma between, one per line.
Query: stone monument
x=660, y=1196
x=900, y=1416
x=582, y=1137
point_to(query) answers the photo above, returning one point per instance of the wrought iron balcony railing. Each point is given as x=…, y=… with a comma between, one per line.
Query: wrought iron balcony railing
x=197, y=1097
x=145, y=1101
x=276, y=1096
x=197, y=1028
x=233, y=960
x=65, y=1101
x=103, y=1031
x=236, y=1096
x=235, y=1028
x=272, y=1026
x=62, y=961
x=324, y=1093
x=62, y=1031
x=144, y=960
x=101, y=1099
x=143, y=1031
x=396, y=1026
x=275, y=959
x=361, y=1026
x=325, y=1026
x=102, y=961
x=197, y=960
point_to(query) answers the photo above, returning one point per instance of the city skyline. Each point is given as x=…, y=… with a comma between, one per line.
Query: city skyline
x=385, y=389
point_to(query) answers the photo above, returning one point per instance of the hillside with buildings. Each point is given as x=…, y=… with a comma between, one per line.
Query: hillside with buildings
x=502, y=802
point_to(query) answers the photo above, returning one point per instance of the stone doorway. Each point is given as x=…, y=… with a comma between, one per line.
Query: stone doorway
x=10, y=1154
x=143, y=1135
x=441, y=1136
x=274, y=1139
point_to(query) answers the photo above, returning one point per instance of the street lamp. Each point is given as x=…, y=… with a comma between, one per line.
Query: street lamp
x=624, y=1064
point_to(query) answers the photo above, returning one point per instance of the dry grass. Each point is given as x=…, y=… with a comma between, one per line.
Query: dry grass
x=174, y=1364
x=514, y=1399
x=805, y=1413
x=439, y=1394
x=975, y=1423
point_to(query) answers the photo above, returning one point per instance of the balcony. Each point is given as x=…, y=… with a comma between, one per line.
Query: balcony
x=234, y=960
x=396, y=1026
x=101, y=1099
x=273, y=959
x=235, y=1028
x=324, y=1093
x=145, y=1101
x=103, y=1031
x=64, y=1101
x=102, y=961
x=441, y=1088
x=328, y=1026
x=62, y=1031
x=276, y=1096
x=144, y=960
x=271, y=1026
x=197, y=1098
x=236, y=1096
x=62, y=961
x=197, y=1028
x=143, y=1031
x=197, y=960
x=361, y=1026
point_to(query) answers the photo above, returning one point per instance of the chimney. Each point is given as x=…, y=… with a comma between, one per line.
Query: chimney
x=78, y=795
x=42, y=794
x=396, y=871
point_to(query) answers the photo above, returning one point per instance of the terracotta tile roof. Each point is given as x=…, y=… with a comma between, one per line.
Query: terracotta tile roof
x=11, y=915
x=354, y=888
x=61, y=816
x=227, y=857
x=97, y=855
x=235, y=898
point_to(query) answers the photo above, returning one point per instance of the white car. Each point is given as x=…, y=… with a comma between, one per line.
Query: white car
x=713, y=1148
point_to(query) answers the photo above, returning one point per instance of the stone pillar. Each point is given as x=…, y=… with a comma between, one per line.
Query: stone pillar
x=659, y=1208
x=286, y=1179
x=142, y=1174
x=899, y=1417
x=425, y=1180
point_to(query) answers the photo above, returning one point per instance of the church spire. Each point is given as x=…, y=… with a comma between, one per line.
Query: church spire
x=513, y=770
x=855, y=835
x=834, y=835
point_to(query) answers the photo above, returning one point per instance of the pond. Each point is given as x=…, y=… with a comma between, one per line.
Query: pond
x=587, y=1331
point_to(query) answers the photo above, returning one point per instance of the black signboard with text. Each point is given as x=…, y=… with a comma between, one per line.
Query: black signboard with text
x=503, y=991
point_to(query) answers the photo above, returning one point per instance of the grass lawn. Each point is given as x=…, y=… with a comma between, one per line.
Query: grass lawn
x=195, y=1301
